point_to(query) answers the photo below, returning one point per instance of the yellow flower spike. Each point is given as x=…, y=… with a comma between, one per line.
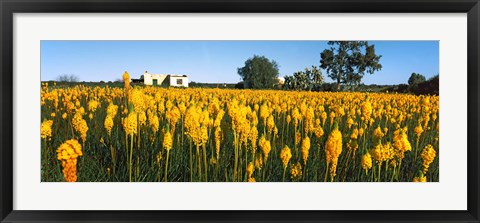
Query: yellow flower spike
x=360, y=132
x=142, y=118
x=401, y=143
x=305, y=149
x=46, y=129
x=354, y=134
x=366, y=162
x=250, y=169
x=349, y=122
x=428, y=155
x=137, y=99
x=112, y=110
x=285, y=156
x=130, y=124
x=258, y=161
x=126, y=80
x=93, y=105
x=153, y=122
x=108, y=123
x=377, y=135
x=333, y=149
x=318, y=132
x=323, y=116
x=296, y=171
x=298, y=137
x=264, y=112
x=420, y=178
x=367, y=109
x=270, y=123
x=418, y=130
x=80, y=125
x=67, y=153
x=167, y=141
x=265, y=146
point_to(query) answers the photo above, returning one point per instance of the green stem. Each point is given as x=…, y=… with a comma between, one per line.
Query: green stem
x=394, y=168
x=264, y=169
x=416, y=151
x=114, y=160
x=199, y=163
x=305, y=178
x=191, y=161
x=45, y=159
x=166, y=166
x=379, y=171
x=158, y=173
x=138, y=149
x=205, y=162
x=131, y=156
x=399, y=169
x=326, y=172
x=386, y=170
x=235, y=164
x=84, y=149
x=372, y=177
x=246, y=160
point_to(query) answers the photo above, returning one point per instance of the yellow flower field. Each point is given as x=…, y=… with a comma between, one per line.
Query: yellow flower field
x=154, y=134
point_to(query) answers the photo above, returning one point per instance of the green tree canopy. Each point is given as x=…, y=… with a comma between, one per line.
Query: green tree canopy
x=309, y=79
x=430, y=86
x=347, y=61
x=259, y=73
x=299, y=81
x=416, y=79
x=68, y=78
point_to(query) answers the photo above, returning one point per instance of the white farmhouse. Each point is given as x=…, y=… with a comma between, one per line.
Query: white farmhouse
x=173, y=80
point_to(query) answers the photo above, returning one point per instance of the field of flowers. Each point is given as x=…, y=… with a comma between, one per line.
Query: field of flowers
x=151, y=134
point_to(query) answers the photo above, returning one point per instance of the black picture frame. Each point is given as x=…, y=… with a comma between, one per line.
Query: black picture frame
x=9, y=7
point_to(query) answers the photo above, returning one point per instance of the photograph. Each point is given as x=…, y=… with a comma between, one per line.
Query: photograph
x=239, y=111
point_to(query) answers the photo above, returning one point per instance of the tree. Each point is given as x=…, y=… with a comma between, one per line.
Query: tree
x=239, y=85
x=259, y=73
x=300, y=81
x=305, y=80
x=347, y=61
x=414, y=80
x=316, y=76
x=430, y=86
x=68, y=78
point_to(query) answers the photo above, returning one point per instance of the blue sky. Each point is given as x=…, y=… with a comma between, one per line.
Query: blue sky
x=217, y=61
